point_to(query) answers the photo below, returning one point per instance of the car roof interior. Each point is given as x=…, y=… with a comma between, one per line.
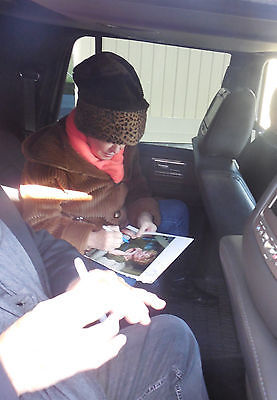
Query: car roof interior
x=236, y=25
x=247, y=29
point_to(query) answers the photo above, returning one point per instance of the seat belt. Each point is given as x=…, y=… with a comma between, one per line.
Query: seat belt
x=29, y=79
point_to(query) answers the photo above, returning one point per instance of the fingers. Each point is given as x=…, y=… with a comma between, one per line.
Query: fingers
x=137, y=314
x=129, y=232
x=145, y=223
x=107, y=329
x=106, y=239
x=132, y=304
x=153, y=228
x=123, y=298
x=113, y=240
x=103, y=292
x=146, y=227
x=109, y=293
x=131, y=308
x=151, y=299
x=140, y=232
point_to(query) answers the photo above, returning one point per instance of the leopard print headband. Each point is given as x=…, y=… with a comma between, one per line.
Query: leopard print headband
x=119, y=127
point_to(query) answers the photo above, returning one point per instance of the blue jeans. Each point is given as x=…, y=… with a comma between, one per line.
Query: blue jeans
x=174, y=217
x=158, y=362
x=174, y=220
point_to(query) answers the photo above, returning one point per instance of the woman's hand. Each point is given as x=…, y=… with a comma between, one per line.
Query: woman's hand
x=50, y=343
x=106, y=239
x=145, y=224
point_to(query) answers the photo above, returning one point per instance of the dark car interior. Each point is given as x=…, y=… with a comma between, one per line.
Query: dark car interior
x=237, y=331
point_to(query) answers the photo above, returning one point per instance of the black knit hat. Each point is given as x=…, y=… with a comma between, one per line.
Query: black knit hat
x=111, y=105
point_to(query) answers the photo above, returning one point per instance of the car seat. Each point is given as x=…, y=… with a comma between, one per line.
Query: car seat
x=250, y=267
x=258, y=161
x=11, y=159
x=222, y=135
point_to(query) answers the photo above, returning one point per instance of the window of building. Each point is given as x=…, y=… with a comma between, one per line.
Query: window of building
x=179, y=83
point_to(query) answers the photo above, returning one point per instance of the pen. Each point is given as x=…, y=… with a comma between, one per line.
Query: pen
x=125, y=238
x=82, y=272
x=80, y=267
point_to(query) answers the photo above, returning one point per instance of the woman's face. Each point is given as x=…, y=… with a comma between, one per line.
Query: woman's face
x=104, y=150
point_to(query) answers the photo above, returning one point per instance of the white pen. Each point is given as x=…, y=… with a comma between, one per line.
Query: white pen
x=82, y=272
x=110, y=228
x=80, y=267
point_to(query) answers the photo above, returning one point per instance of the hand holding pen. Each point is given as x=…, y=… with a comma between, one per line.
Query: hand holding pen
x=115, y=297
x=108, y=238
x=56, y=345
x=56, y=325
x=115, y=228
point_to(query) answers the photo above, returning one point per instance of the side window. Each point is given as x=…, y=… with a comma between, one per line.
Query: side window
x=82, y=49
x=68, y=98
x=269, y=84
x=179, y=83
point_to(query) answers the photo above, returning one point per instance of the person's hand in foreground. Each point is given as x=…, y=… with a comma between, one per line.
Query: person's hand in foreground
x=145, y=224
x=49, y=343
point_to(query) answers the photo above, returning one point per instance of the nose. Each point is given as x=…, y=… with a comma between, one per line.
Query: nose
x=116, y=148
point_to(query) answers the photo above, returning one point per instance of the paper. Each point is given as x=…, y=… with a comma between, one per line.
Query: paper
x=144, y=258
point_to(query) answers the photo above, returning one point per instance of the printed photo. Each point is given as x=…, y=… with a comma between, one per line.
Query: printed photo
x=133, y=256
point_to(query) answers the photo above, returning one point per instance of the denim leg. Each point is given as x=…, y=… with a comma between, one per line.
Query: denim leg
x=174, y=217
x=159, y=362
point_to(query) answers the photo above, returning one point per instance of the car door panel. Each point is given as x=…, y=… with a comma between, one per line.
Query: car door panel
x=170, y=172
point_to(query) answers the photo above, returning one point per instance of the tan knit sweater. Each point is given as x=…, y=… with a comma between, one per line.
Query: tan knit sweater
x=51, y=161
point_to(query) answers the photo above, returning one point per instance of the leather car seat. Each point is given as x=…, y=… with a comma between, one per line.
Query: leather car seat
x=258, y=161
x=251, y=277
x=223, y=133
x=11, y=159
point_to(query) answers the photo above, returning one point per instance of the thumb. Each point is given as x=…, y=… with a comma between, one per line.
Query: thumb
x=141, y=231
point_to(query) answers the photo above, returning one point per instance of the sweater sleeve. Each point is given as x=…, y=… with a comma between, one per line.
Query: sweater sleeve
x=49, y=214
x=139, y=197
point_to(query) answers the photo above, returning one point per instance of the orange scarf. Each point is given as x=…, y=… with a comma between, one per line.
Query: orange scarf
x=78, y=142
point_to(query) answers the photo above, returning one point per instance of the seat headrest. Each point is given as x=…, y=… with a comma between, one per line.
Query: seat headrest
x=227, y=125
x=260, y=256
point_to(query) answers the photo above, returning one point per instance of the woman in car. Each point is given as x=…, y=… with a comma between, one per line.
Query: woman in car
x=94, y=150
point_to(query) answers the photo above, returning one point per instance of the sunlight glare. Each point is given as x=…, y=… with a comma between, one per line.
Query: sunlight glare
x=50, y=193
x=270, y=86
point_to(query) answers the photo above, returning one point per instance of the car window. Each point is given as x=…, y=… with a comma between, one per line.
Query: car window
x=269, y=84
x=179, y=83
x=83, y=48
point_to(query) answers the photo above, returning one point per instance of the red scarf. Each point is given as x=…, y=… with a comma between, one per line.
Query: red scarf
x=78, y=142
